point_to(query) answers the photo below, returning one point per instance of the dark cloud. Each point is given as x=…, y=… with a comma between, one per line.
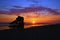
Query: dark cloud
x=33, y=9
x=4, y=12
x=17, y=6
x=28, y=9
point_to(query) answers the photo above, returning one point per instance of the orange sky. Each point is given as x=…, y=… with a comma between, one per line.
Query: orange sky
x=31, y=19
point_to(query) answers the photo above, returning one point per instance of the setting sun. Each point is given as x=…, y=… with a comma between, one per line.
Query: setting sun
x=33, y=22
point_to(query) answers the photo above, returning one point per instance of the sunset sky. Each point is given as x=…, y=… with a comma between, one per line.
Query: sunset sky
x=33, y=11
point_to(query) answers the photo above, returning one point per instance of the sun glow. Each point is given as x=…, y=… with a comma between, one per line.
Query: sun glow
x=33, y=22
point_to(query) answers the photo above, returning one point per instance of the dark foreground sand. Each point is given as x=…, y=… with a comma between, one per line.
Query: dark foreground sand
x=49, y=32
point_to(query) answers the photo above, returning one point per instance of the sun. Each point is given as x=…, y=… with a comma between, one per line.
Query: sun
x=33, y=22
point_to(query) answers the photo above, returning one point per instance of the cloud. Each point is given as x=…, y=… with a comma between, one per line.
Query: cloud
x=17, y=11
x=17, y=6
x=4, y=12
